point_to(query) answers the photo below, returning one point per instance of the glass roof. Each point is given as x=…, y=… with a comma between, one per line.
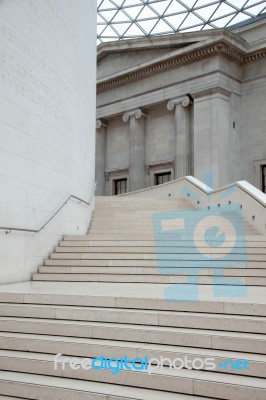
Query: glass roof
x=127, y=19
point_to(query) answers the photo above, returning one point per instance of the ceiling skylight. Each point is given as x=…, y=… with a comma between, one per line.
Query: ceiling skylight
x=127, y=19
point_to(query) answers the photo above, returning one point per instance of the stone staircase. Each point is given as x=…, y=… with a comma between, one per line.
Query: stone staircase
x=121, y=247
x=104, y=294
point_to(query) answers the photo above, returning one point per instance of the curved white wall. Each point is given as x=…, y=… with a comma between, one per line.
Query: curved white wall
x=47, y=117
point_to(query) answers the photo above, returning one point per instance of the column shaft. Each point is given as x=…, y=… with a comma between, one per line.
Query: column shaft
x=137, y=149
x=183, y=151
x=183, y=141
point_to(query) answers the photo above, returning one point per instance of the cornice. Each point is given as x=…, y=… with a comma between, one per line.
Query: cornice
x=210, y=91
x=224, y=48
x=254, y=56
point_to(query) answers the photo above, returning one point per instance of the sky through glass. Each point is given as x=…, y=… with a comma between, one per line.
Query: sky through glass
x=126, y=19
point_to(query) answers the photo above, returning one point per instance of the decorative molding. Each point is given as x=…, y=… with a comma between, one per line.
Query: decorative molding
x=116, y=171
x=257, y=55
x=210, y=91
x=138, y=113
x=238, y=56
x=183, y=101
x=100, y=124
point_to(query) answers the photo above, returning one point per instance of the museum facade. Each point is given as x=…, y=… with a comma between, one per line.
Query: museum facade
x=184, y=104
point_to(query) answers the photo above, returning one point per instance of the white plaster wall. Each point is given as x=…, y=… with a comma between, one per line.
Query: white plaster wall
x=47, y=117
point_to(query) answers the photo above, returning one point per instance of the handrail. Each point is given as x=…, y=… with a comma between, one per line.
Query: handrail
x=88, y=203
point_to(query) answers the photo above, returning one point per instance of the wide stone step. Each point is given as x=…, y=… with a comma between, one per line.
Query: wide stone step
x=203, y=280
x=148, y=229
x=140, y=222
x=233, y=272
x=217, y=385
x=159, y=237
x=186, y=263
x=152, y=249
x=185, y=238
x=179, y=319
x=40, y=387
x=199, y=338
x=182, y=255
x=91, y=347
x=139, y=296
x=252, y=245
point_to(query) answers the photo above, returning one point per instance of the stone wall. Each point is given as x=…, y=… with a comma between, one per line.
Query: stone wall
x=47, y=125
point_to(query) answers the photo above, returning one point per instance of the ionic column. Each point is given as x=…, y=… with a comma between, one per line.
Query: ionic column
x=100, y=157
x=136, y=119
x=183, y=151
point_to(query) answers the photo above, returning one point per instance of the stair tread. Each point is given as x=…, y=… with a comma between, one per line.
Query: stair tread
x=145, y=328
x=138, y=345
x=198, y=375
x=138, y=311
x=95, y=387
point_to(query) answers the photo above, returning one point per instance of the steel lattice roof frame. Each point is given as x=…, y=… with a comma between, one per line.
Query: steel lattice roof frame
x=246, y=9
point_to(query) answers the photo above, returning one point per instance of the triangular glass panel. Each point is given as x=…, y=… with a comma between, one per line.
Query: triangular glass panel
x=148, y=25
x=206, y=12
x=100, y=19
x=161, y=27
x=161, y=6
x=100, y=29
x=134, y=31
x=175, y=7
x=239, y=3
x=222, y=22
x=121, y=17
x=207, y=27
x=223, y=11
x=109, y=32
x=108, y=15
x=147, y=13
x=256, y=10
x=118, y=2
x=239, y=18
x=175, y=20
x=202, y=3
x=121, y=28
x=190, y=21
x=133, y=11
x=251, y=2
x=195, y=28
x=189, y=3
x=107, y=5
x=132, y=3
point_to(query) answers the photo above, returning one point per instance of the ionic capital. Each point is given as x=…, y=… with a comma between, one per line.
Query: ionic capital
x=100, y=124
x=138, y=113
x=183, y=101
